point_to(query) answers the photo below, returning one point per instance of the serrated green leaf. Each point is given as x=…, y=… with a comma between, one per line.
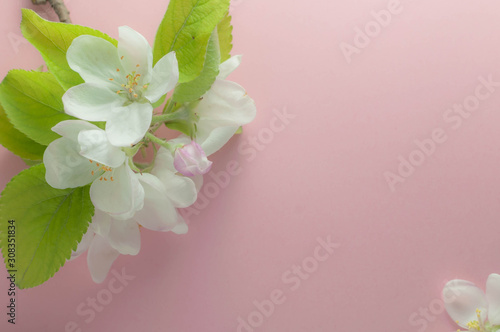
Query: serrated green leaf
x=186, y=29
x=16, y=142
x=225, y=31
x=32, y=162
x=193, y=90
x=52, y=41
x=33, y=103
x=49, y=224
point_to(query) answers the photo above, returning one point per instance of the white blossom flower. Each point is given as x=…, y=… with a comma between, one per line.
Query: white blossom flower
x=470, y=307
x=221, y=111
x=121, y=83
x=84, y=155
x=165, y=191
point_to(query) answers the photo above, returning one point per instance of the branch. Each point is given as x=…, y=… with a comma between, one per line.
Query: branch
x=59, y=7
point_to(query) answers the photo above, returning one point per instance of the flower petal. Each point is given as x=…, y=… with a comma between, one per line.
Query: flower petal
x=133, y=50
x=182, y=227
x=120, y=197
x=225, y=105
x=94, y=145
x=100, y=258
x=159, y=213
x=493, y=297
x=101, y=223
x=164, y=79
x=216, y=138
x=129, y=124
x=65, y=167
x=191, y=160
x=198, y=182
x=91, y=102
x=228, y=104
x=124, y=236
x=180, y=189
x=96, y=60
x=71, y=128
x=462, y=299
x=228, y=66
x=165, y=159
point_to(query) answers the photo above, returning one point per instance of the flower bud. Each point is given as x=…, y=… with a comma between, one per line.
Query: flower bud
x=191, y=160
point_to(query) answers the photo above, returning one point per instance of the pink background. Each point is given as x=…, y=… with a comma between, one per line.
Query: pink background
x=322, y=175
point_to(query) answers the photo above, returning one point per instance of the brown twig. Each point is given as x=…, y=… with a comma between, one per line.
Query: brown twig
x=59, y=7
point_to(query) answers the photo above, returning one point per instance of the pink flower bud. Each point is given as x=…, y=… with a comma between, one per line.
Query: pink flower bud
x=191, y=160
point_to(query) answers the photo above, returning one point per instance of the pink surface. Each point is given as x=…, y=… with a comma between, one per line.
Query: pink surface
x=319, y=175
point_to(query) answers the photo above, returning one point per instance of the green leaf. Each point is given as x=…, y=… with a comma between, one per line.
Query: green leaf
x=49, y=224
x=186, y=29
x=193, y=90
x=33, y=103
x=225, y=30
x=16, y=142
x=53, y=40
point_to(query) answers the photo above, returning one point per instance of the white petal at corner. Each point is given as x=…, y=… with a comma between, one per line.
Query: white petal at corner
x=94, y=145
x=198, y=182
x=120, y=197
x=128, y=125
x=71, y=128
x=180, y=189
x=461, y=299
x=125, y=236
x=91, y=102
x=96, y=60
x=100, y=258
x=101, y=223
x=216, y=139
x=493, y=298
x=135, y=50
x=228, y=104
x=158, y=213
x=165, y=77
x=182, y=227
x=228, y=66
x=65, y=167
